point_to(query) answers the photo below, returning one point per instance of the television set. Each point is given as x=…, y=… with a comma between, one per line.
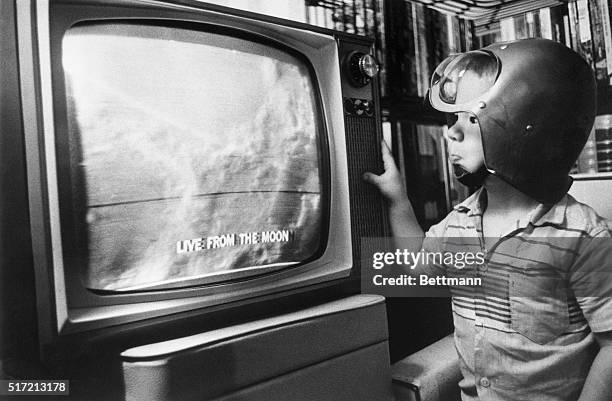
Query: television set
x=183, y=158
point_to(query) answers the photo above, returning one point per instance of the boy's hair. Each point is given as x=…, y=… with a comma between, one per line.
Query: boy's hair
x=536, y=116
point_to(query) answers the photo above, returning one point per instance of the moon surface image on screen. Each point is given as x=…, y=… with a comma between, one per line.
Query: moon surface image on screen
x=180, y=135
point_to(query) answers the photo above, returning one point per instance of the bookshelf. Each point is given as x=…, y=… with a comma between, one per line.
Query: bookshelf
x=412, y=37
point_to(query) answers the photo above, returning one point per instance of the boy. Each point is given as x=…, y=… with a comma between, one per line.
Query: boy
x=519, y=114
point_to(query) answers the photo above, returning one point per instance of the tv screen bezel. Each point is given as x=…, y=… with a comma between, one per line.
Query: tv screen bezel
x=73, y=229
x=65, y=307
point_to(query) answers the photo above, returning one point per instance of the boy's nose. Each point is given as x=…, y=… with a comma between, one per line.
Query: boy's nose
x=454, y=134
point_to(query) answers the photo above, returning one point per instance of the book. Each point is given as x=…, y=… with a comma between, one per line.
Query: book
x=360, y=23
x=533, y=25
x=520, y=26
x=566, y=29
x=431, y=186
x=546, y=26
x=468, y=36
x=572, y=27
x=463, y=27
x=426, y=135
x=603, y=142
x=598, y=43
x=606, y=30
x=320, y=18
x=507, y=30
x=402, y=57
x=587, y=161
x=585, y=39
x=558, y=16
x=339, y=17
x=438, y=38
x=421, y=46
x=381, y=46
x=454, y=34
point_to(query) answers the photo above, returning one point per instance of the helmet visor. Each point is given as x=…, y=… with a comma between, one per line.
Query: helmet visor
x=461, y=79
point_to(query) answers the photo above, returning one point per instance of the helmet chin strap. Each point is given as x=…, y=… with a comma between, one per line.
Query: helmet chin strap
x=475, y=179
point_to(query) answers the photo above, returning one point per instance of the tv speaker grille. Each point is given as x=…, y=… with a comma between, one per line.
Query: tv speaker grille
x=368, y=210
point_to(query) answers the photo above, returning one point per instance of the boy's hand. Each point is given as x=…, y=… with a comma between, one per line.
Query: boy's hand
x=390, y=182
x=403, y=222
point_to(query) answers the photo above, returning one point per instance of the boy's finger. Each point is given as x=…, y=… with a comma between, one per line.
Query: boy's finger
x=388, y=161
x=371, y=178
x=385, y=147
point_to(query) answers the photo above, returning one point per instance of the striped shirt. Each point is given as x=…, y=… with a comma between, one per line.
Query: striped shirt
x=526, y=332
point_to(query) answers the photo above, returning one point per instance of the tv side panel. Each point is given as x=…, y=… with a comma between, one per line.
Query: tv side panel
x=363, y=140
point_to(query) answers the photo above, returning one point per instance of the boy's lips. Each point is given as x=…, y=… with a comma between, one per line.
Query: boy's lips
x=454, y=158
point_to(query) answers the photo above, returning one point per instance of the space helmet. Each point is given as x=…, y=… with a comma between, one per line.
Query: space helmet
x=535, y=112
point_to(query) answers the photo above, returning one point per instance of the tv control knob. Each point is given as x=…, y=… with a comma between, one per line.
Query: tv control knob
x=368, y=66
x=362, y=68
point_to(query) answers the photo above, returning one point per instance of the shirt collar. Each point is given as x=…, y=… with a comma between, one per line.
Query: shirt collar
x=474, y=204
x=542, y=214
x=547, y=214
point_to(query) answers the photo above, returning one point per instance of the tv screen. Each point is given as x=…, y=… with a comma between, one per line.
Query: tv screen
x=195, y=156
